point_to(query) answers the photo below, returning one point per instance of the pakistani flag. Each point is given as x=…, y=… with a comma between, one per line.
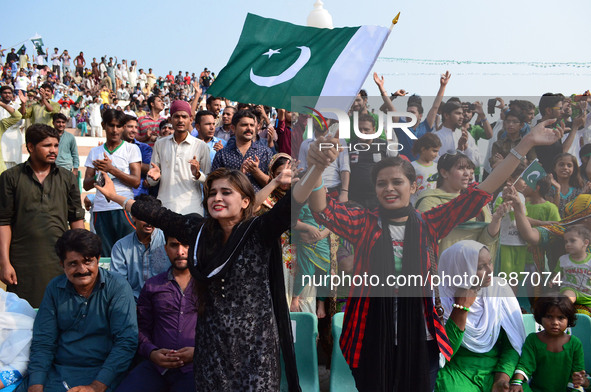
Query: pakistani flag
x=533, y=173
x=275, y=61
x=38, y=42
x=21, y=51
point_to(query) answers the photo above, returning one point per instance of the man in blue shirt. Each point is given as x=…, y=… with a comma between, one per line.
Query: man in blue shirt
x=140, y=255
x=205, y=125
x=85, y=334
x=242, y=153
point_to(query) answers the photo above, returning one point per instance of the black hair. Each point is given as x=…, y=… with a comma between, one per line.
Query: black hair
x=515, y=113
x=543, y=305
x=415, y=100
x=544, y=184
x=278, y=163
x=450, y=106
x=113, y=114
x=548, y=100
x=81, y=241
x=162, y=124
x=416, y=105
x=448, y=161
x=427, y=141
x=211, y=98
x=6, y=88
x=575, y=179
x=36, y=133
x=406, y=166
x=59, y=116
x=367, y=118
x=151, y=100
x=127, y=118
x=363, y=93
x=47, y=86
x=241, y=114
x=203, y=113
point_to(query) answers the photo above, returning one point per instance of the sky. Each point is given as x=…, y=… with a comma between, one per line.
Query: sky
x=188, y=35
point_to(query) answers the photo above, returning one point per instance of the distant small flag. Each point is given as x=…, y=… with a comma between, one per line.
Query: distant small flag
x=21, y=51
x=533, y=173
x=38, y=42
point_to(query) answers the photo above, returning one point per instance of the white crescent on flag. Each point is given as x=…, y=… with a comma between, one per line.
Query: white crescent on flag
x=289, y=73
x=535, y=175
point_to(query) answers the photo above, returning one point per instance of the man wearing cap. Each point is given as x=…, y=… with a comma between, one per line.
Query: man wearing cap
x=180, y=163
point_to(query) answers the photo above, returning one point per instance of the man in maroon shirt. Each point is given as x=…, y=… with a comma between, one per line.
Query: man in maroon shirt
x=167, y=315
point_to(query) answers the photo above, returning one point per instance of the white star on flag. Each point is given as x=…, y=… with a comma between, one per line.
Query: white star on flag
x=271, y=52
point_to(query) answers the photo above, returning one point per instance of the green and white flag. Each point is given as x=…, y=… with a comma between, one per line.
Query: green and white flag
x=533, y=173
x=38, y=42
x=275, y=61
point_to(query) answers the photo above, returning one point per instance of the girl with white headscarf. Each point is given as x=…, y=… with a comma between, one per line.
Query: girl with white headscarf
x=482, y=319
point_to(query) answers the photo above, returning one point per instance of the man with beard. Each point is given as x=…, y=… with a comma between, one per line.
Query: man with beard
x=180, y=163
x=224, y=131
x=167, y=315
x=37, y=201
x=139, y=255
x=453, y=137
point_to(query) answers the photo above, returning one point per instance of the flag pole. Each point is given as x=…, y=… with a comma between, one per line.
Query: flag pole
x=335, y=131
x=394, y=21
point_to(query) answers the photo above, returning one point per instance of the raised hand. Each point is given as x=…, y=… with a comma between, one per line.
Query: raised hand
x=378, y=80
x=444, y=79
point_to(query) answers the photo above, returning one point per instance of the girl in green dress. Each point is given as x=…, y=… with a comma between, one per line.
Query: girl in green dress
x=551, y=358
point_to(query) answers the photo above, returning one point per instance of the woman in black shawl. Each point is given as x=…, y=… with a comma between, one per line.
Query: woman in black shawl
x=235, y=259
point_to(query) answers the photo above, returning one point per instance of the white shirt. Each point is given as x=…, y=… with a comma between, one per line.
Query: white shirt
x=21, y=83
x=332, y=174
x=121, y=158
x=12, y=139
x=179, y=190
x=449, y=141
x=55, y=59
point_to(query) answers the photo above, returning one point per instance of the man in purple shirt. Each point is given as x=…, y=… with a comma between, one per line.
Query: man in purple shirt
x=167, y=315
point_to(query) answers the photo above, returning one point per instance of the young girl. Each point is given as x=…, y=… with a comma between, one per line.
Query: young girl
x=576, y=267
x=567, y=184
x=550, y=359
x=427, y=148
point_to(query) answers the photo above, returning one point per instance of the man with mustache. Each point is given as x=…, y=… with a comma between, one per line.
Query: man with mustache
x=85, y=332
x=140, y=255
x=37, y=202
x=241, y=153
x=167, y=315
x=180, y=164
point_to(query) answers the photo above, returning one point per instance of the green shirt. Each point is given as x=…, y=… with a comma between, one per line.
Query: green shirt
x=67, y=156
x=38, y=215
x=548, y=371
x=39, y=114
x=468, y=371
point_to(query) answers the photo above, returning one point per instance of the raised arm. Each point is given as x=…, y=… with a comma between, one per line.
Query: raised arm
x=438, y=98
x=539, y=136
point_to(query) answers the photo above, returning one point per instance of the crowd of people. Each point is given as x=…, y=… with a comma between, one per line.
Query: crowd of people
x=213, y=213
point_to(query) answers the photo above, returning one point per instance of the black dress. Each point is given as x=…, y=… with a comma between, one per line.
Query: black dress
x=237, y=338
